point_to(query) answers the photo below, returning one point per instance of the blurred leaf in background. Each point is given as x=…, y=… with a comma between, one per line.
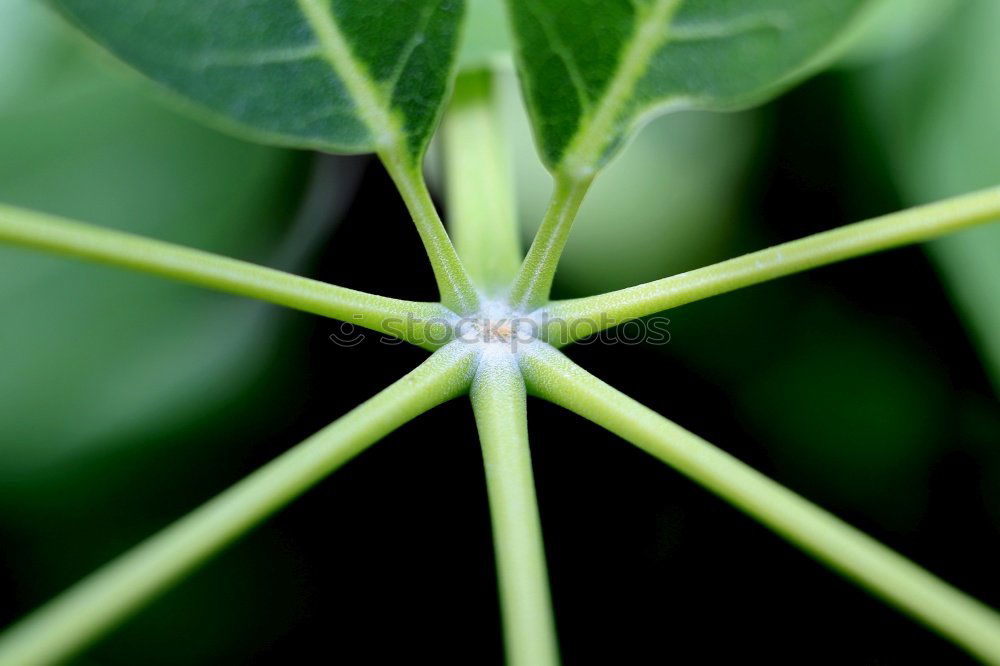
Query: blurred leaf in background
x=844, y=403
x=94, y=357
x=854, y=407
x=487, y=37
x=935, y=111
x=119, y=392
x=892, y=27
x=933, y=116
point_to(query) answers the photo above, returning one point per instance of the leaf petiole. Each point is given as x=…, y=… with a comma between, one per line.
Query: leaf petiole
x=393, y=148
x=498, y=400
x=414, y=321
x=578, y=318
x=482, y=208
x=533, y=282
x=454, y=284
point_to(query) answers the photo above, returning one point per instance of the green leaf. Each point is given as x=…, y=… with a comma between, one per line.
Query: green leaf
x=592, y=71
x=336, y=75
x=937, y=116
x=95, y=358
x=673, y=195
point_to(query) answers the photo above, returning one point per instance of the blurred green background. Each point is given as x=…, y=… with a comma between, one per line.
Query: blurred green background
x=870, y=387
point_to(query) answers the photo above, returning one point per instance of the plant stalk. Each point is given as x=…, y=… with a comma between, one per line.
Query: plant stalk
x=422, y=324
x=498, y=399
x=395, y=152
x=454, y=284
x=482, y=207
x=571, y=320
x=533, y=282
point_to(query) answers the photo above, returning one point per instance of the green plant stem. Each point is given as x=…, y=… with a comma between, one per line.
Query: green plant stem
x=577, y=318
x=533, y=282
x=498, y=399
x=419, y=323
x=481, y=203
x=453, y=281
x=891, y=576
x=104, y=599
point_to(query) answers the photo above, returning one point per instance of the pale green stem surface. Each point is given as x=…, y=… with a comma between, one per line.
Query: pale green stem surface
x=107, y=597
x=419, y=323
x=533, y=282
x=498, y=399
x=899, y=581
x=480, y=187
x=577, y=318
x=453, y=281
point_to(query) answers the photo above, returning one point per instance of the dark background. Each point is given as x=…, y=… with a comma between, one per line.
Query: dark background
x=856, y=385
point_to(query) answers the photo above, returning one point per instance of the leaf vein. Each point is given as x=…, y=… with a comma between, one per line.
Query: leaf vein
x=418, y=37
x=221, y=59
x=565, y=54
x=367, y=96
x=591, y=139
x=721, y=30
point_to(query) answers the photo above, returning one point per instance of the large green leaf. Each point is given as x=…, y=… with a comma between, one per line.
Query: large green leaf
x=337, y=75
x=593, y=70
x=937, y=115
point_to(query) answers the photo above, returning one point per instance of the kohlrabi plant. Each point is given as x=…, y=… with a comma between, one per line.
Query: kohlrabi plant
x=377, y=76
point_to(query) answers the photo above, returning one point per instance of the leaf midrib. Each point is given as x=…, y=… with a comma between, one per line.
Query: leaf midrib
x=369, y=98
x=589, y=142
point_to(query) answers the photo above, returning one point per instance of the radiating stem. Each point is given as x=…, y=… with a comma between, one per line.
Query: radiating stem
x=534, y=279
x=576, y=319
x=482, y=211
x=104, y=599
x=420, y=323
x=453, y=281
x=889, y=575
x=498, y=399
